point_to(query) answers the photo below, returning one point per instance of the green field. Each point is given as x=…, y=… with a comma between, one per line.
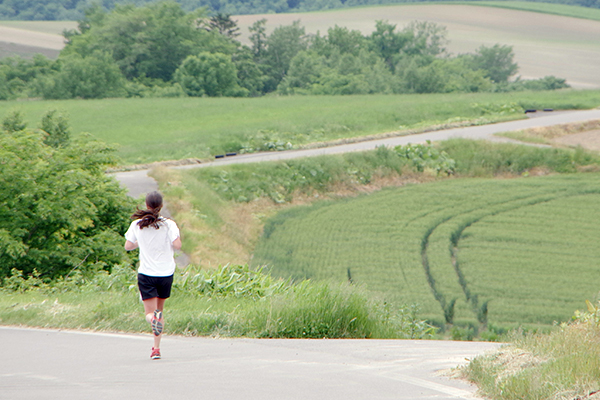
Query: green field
x=147, y=130
x=539, y=7
x=547, y=39
x=524, y=248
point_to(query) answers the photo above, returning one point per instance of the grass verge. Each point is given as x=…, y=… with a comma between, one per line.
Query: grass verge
x=229, y=301
x=564, y=364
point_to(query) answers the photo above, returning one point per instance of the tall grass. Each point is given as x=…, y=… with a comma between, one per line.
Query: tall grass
x=282, y=181
x=564, y=364
x=229, y=301
x=148, y=130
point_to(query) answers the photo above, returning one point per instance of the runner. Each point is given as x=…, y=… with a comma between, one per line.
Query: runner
x=157, y=238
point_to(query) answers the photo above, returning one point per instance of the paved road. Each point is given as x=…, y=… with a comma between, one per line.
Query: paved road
x=49, y=364
x=138, y=181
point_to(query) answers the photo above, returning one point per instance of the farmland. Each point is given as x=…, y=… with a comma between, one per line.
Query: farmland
x=547, y=39
x=519, y=251
x=544, y=44
x=147, y=130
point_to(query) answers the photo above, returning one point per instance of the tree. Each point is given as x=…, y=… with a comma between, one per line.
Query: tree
x=341, y=40
x=249, y=74
x=224, y=25
x=56, y=127
x=58, y=208
x=388, y=43
x=14, y=122
x=281, y=46
x=209, y=74
x=149, y=41
x=258, y=37
x=92, y=77
x=496, y=61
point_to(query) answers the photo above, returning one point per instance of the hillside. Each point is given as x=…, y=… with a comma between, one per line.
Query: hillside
x=544, y=44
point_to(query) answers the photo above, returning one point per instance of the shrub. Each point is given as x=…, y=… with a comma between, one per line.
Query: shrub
x=59, y=209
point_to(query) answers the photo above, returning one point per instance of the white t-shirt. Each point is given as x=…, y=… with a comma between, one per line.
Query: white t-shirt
x=156, y=246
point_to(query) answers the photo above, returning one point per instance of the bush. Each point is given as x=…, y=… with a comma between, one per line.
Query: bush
x=426, y=157
x=59, y=211
x=209, y=75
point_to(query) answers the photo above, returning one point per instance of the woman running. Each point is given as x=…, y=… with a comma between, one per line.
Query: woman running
x=157, y=238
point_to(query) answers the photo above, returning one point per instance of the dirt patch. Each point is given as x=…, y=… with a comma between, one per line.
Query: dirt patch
x=31, y=38
x=584, y=134
x=513, y=360
x=589, y=140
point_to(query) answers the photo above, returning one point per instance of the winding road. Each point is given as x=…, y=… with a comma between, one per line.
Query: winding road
x=139, y=182
x=54, y=364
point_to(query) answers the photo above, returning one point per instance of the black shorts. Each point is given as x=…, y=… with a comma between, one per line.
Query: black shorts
x=155, y=286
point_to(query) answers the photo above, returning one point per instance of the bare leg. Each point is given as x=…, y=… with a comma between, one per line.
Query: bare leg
x=150, y=305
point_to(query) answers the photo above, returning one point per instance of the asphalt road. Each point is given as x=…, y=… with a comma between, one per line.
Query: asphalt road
x=139, y=183
x=50, y=364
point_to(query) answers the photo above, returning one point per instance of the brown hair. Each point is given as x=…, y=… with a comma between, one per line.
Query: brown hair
x=151, y=215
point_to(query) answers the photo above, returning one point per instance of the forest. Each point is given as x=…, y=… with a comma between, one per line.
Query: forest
x=161, y=50
x=73, y=10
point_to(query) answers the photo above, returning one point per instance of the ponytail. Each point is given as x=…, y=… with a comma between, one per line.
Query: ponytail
x=150, y=216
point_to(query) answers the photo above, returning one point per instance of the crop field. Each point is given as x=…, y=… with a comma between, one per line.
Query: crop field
x=467, y=251
x=548, y=39
x=543, y=44
x=25, y=38
x=147, y=130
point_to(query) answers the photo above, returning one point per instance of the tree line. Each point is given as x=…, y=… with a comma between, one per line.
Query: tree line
x=73, y=10
x=160, y=50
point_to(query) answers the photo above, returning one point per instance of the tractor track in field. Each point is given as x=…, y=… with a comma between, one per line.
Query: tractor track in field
x=138, y=182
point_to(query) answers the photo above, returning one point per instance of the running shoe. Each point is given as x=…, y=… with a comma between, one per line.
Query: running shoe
x=157, y=325
x=155, y=354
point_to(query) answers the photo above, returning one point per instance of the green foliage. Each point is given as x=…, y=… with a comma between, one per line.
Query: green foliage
x=56, y=126
x=426, y=157
x=92, y=77
x=229, y=301
x=59, y=210
x=484, y=159
x=149, y=41
x=545, y=83
x=22, y=76
x=280, y=181
x=209, y=75
x=230, y=280
x=144, y=51
x=320, y=310
x=280, y=47
x=13, y=122
x=497, y=62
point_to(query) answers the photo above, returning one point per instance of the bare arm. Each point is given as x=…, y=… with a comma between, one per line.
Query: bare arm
x=130, y=245
x=177, y=244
